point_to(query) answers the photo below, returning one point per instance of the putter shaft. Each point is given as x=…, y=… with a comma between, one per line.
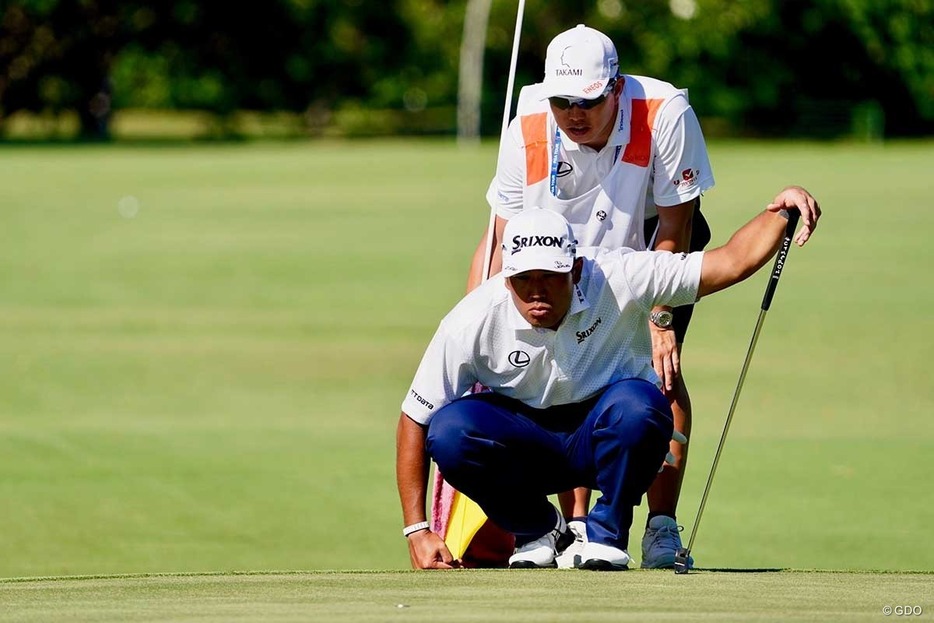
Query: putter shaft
x=681, y=559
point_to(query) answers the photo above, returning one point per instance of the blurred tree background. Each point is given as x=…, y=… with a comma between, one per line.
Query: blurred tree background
x=816, y=68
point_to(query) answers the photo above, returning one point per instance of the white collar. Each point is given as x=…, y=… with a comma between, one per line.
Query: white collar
x=518, y=323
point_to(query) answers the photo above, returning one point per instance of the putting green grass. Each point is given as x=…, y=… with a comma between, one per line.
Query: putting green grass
x=471, y=596
x=203, y=350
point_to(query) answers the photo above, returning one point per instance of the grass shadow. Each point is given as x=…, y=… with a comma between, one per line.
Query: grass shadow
x=738, y=570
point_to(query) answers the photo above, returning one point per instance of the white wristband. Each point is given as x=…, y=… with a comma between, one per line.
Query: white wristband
x=415, y=527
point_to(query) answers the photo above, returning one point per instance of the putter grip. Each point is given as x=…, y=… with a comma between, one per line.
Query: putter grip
x=780, y=258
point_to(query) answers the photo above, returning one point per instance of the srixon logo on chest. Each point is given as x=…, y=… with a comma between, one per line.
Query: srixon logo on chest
x=522, y=242
x=583, y=335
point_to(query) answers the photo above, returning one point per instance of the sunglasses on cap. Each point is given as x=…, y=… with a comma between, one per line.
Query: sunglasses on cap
x=564, y=103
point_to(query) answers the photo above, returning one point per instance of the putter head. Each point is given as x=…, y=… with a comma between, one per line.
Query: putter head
x=681, y=561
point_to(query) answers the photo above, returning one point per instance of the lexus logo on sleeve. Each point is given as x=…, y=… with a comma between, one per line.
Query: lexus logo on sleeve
x=519, y=358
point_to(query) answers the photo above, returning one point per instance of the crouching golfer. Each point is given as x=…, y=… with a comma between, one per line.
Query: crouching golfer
x=563, y=344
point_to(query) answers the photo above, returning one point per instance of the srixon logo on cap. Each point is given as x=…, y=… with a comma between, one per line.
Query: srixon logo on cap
x=522, y=242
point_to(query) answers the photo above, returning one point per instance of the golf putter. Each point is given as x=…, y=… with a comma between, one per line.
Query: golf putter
x=681, y=558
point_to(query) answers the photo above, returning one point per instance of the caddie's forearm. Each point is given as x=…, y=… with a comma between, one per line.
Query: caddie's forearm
x=746, y=252
x=480, y=259
x=674, y=227
x=475, y=276
x=411, y=469
x=674, y=232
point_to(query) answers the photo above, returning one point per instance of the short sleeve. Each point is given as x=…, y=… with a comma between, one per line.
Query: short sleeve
x=663, y=278
x=682, y=168
x=445, y=373
x=505, y=192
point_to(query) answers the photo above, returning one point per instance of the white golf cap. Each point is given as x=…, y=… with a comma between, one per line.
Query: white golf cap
x=538, y=239
x=579, y=64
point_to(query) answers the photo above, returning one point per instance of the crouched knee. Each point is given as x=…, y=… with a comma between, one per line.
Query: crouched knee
x=631, y=409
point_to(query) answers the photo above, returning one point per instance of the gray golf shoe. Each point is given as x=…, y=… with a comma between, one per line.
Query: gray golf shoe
x=661, y=543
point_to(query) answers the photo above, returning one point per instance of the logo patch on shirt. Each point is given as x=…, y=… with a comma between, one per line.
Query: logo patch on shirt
x=601, y=215
x=583, y=335
x=564, y=168
x=519, y=358
x=688, y=177
x=421, y=400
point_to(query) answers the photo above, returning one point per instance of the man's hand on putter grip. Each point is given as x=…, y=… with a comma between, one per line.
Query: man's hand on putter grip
x=669, y=457
x=797, y=198
x=427, y=550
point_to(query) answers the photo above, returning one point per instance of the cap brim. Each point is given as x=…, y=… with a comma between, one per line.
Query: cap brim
x=551, y=264
x=573, y=89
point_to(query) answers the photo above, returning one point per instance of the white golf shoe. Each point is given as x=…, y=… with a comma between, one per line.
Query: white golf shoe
x=571, y=557
x=661, y=543
x=602, y=557
x=542, y=551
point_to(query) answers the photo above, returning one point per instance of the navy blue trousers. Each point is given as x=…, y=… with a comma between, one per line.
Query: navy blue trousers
x=508, y=457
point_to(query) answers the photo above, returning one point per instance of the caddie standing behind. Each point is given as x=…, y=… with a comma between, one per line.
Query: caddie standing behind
x=601, y=148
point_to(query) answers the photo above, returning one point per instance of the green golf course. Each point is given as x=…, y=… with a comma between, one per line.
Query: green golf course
x=204, y=348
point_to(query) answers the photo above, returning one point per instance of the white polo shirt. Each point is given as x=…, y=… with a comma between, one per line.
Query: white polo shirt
x=603, y=339
x=680, y=166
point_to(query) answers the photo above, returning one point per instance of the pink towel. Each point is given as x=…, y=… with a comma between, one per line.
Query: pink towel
x=441, y=502
x=442, y=499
